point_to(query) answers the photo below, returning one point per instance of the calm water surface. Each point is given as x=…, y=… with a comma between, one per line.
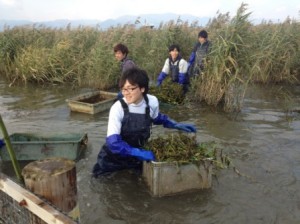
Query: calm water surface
x=263, y=143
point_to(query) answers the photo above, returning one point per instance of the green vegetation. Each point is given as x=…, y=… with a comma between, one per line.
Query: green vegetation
x=184, y=148
x=242, y=53
x=169, y=92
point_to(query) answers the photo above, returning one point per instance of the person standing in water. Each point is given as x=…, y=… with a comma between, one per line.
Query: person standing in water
x=175, y=67
x=129, y=124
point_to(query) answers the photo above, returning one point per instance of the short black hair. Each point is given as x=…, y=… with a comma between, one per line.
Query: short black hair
x=135, y=76
x=174, y=46
x=121, y=47
x=203, y=34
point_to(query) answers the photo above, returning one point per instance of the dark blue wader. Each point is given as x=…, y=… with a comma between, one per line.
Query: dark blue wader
x=201, y=50
x=135, y=131
x=174, y=69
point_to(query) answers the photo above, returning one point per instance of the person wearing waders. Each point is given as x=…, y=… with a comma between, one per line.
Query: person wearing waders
x=129, y=126
x=175, y=67
x=200, y=51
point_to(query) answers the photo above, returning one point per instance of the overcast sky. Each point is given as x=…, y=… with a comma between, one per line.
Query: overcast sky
x=46, y=10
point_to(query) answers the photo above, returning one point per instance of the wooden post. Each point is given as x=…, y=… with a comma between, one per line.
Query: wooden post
x=10, y=150
x=55, y=180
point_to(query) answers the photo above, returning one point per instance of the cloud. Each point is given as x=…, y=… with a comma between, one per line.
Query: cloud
x=8, y=2
x=45, y=10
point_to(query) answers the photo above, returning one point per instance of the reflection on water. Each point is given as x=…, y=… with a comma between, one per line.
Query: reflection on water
x=263, y=143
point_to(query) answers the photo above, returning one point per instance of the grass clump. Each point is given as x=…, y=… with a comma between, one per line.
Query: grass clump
x=169, y=92
x=183, y=148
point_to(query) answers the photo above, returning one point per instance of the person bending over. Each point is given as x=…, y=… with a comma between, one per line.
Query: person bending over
x=176, y=67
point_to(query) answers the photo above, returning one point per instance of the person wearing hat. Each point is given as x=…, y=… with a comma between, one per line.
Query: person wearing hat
x=200, y=50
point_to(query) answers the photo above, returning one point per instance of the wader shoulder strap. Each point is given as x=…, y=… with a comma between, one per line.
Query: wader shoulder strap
x=124, y=105
x=177, y=65
x=147, y=107
x=125, y=108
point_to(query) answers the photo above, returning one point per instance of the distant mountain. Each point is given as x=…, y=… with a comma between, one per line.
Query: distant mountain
x=142, y=20
x=51, y=24
x=155, y=19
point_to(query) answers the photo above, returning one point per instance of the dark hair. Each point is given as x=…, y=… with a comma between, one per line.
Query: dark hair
x=122, y=48
x=203, y=34
x=174, y=46
x=135, y=76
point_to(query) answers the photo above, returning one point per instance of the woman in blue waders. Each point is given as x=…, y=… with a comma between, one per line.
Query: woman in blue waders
x=129, y=124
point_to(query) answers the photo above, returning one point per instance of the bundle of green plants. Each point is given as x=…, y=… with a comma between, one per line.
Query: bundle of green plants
x=184, y=148
x=169, y=92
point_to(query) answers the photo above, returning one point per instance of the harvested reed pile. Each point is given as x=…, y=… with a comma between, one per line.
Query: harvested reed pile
x=169, y=92
x=184, y=148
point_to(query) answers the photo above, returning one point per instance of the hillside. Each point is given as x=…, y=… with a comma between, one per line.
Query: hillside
x=141, y=20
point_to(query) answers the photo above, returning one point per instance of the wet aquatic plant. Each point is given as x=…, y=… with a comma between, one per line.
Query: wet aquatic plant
x=169, y=92
x=184, y=148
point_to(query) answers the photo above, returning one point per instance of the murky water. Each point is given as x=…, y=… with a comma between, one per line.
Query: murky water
x=263, y=143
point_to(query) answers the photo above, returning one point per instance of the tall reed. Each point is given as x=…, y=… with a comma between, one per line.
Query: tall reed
x=224, y=80
x=242, y=53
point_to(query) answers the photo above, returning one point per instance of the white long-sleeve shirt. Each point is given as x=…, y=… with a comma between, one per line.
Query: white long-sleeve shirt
x=183, y=66
x=116, y=113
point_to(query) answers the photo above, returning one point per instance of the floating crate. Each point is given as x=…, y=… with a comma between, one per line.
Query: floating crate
x=92, y=102
x=169, y=178
x=36, y=146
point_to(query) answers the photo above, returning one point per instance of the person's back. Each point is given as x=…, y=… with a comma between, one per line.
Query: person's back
x=127, y=64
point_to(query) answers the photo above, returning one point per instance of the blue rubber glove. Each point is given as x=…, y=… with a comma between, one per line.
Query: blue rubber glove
x=120, y=95
x=169, y=123
x=185, y=127
x=192, y=58
x=161, y=78
x=181, y=78
x=144, y=155
x=2, y=143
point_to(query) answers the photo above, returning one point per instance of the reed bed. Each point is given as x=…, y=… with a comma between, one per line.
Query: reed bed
x=241, y=53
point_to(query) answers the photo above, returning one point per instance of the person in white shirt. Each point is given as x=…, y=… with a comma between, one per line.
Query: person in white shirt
x=175, y=67
x=129, y=124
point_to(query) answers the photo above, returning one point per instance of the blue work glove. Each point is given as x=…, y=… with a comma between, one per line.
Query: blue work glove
x=192, y=58
x=181, y=78
x=2, y=143
x=161, y=78
x=120, y=95
x=185, y=127
x=169, y=123
x=144, y=155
